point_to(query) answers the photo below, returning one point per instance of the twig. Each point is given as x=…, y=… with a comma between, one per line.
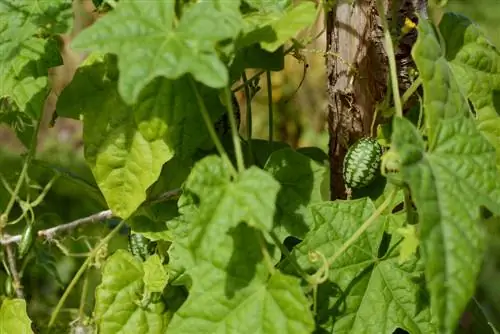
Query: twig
x=94, y=218
x=13, y=271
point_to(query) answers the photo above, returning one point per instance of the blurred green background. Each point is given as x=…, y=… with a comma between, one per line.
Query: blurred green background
x=299, y=103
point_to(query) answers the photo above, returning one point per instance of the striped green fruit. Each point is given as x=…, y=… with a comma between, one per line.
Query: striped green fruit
x=140, y=246
x=362, y=162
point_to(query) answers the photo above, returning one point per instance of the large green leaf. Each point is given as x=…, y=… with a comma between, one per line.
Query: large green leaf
x=148, y=45
x=449, y=184
x=224, y=203
x=21, y=20
x=364, y=293
x=118, y=299
x=443, y=96
x=127, y=145
x=302, y=180
x=232, y=293
x=13, y=317
x=24, y=83
x=25, y=58
x=476, y=64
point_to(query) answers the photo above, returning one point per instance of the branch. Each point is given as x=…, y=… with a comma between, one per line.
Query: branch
x=16, y=279
x=94, y=218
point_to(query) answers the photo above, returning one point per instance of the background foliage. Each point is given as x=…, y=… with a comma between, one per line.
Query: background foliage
x=300, y=122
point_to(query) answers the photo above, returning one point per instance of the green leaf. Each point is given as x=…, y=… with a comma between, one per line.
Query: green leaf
x=443, y=96
x=251, y=198
x=302, y=180
x=118, y=308
x=155, y=276
x=364, y=293
x=22, y=20
x=476, y=62
x=13, y=317
x=25, y=78
x=164, y=50
x=126, y=146
x=272, y=28
x=241, y=298
x=449, y=184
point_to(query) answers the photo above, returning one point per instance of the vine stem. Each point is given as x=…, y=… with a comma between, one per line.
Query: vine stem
x=270, y=105
x=392, y=59
x=4, y=217
x=411, y=90
x=288, y=255
x=248, y=100
x=265, y=253
x=81, y=271
x=234, y=131
x=326, y=265
x=14, y=272
x=210, y=127
x=83, y=296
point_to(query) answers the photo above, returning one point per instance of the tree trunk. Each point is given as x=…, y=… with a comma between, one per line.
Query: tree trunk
x=357, y=71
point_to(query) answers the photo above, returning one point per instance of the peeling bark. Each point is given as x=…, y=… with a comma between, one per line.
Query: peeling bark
x=357, y=72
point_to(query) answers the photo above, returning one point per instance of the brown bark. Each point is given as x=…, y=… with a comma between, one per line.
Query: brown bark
x=357, y=71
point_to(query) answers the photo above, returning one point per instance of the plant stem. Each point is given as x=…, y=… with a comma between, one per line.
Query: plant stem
x=246, y=81
x=248, y=100
x=270, y=105
x=4, y=217
x=210, y=127
x=265, y=253
x=234, y=131
x=411, y=90
x=259, y=73
x=83, y=296
x=392, y=59
x=81, y=271
x=13, y=271
x=288, y=255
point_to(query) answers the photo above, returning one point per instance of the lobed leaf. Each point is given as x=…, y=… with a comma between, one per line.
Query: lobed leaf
x=166, y=49
x=224, y=204
x=127, y=145
x=441, y=90
x=364, y=293
x=449, y=184
x=476, y=62
x=241, y=299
